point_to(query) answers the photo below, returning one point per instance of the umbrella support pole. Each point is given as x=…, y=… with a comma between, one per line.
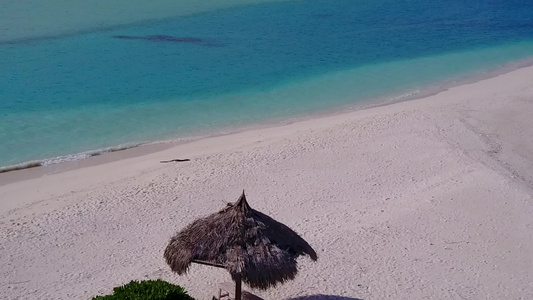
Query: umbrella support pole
x=238, y=286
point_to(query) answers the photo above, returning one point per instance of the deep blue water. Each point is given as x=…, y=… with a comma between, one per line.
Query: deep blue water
x=177, y=76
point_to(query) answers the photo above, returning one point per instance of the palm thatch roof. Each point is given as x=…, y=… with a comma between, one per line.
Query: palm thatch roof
x=248, y=243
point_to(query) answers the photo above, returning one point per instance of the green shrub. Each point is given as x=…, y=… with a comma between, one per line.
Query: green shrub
x=147, y=290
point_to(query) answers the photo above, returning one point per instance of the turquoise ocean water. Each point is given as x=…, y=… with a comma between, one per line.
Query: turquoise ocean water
x=78, y=75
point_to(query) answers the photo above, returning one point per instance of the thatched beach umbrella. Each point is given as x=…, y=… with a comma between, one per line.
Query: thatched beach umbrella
x=252, y=246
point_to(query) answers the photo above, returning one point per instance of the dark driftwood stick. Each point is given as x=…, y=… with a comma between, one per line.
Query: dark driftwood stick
x=175, y=160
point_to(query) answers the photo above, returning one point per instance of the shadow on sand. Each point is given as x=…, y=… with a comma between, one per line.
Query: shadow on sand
x=323, y=297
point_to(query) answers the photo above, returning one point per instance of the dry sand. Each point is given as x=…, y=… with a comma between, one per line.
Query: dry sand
x=425, y=199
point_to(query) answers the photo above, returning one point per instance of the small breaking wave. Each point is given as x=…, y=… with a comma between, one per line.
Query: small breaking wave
x=404, y=96
x=66, y=158
x=21, y=166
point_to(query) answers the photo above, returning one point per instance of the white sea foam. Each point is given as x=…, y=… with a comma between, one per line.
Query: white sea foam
x=404, y=96
x=87, y=154
x=65, y=158
x=92, y=153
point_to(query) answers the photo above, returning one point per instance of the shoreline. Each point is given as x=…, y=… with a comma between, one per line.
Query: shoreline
x=37, y=168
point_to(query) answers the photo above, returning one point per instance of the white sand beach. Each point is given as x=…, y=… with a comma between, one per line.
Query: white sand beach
x=423, y=199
